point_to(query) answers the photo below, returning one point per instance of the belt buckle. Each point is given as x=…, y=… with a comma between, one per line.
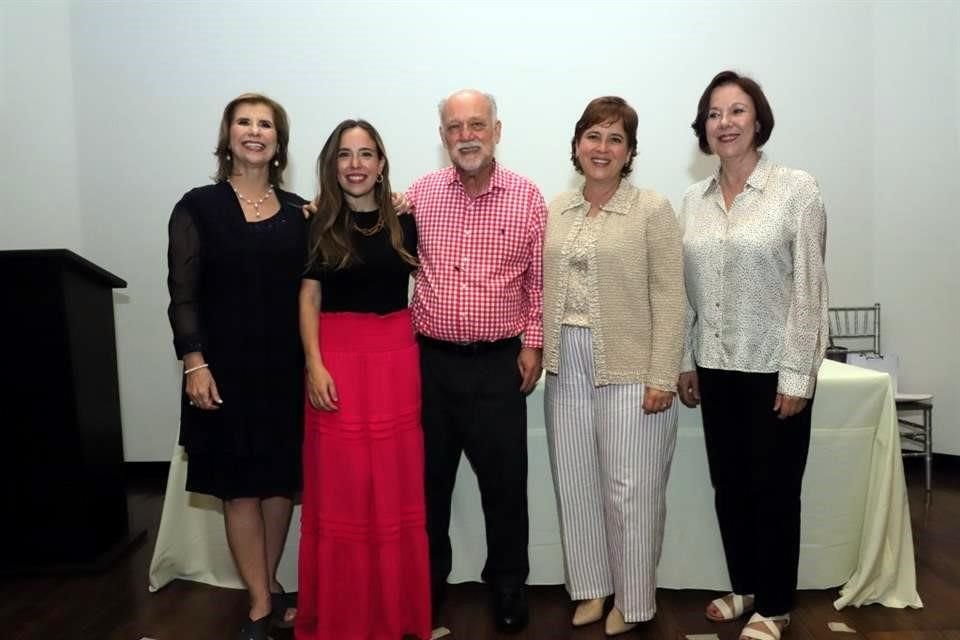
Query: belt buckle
x=469, y=348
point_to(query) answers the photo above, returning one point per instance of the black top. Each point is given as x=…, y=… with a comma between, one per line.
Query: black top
x=233, y=296
x=377, y=280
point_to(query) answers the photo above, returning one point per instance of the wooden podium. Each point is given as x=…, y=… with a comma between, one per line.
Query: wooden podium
x=66, y=504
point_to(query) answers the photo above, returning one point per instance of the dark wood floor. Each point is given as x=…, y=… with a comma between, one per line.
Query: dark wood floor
x=116, y=605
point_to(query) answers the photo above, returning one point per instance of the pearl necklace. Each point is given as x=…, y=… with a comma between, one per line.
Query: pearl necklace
x=254, y=203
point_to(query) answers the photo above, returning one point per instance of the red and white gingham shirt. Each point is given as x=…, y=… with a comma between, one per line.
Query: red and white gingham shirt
x=481, y=259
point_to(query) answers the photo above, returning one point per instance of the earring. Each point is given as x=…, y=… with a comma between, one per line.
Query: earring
x=229, y=157
x=379, y=178
x=276, y=162
x=756, y=127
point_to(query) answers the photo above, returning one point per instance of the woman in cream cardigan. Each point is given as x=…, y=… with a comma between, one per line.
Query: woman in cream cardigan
x=613, y=330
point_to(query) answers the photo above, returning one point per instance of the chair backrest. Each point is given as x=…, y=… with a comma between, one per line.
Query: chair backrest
x=856, y=328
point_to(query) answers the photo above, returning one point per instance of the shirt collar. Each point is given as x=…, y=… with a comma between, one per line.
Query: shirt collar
x=619, y=202
x=498, y=180
x=757, y=179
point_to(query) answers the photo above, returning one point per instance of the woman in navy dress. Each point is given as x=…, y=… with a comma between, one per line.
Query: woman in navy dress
x=237, y=251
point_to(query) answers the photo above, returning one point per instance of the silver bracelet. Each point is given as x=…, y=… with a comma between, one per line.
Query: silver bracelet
x=196, y=368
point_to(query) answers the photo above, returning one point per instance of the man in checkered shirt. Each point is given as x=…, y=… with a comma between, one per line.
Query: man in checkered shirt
x=477, y=309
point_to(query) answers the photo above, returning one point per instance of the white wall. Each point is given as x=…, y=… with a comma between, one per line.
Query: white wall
x=917, y=204
x=38, y=172
x=151, y=80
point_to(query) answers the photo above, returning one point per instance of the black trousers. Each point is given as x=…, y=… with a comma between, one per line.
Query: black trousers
x=756, y=468
x=472, y=403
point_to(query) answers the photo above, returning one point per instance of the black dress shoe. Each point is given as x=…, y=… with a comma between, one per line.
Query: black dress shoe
x=255, y=629
x=510, y=607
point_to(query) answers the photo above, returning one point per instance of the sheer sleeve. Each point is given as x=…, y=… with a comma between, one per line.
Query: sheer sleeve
x=184, y=268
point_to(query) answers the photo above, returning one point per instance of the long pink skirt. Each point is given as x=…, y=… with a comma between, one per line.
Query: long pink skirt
x=364, y=563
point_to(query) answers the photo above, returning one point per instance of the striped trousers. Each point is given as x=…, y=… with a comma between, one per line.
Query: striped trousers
x=610, y=463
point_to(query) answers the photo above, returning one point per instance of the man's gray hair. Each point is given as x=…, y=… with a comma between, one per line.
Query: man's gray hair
x=489, y=97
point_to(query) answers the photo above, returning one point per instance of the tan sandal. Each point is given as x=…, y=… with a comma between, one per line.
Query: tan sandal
x=762, y=628
x=731, y=607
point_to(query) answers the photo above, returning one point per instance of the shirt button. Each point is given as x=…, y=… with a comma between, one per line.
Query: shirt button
x=716, y=335
x=718, y=305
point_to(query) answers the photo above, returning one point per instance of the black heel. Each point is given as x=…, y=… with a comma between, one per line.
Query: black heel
x=255, y=629
x=281, y=603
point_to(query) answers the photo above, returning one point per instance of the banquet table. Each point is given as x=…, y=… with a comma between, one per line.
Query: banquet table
x=855, y=532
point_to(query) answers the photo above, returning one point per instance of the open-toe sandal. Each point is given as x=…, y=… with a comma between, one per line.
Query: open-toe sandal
x=762, y=628
x=731, y=607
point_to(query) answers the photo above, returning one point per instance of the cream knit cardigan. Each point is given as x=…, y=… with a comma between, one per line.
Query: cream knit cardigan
x=636, y=301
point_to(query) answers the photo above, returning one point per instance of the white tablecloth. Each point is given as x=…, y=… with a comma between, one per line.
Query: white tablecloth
x=856, y=522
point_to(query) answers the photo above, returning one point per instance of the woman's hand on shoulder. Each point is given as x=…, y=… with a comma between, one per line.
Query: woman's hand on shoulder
x=401, y=204
x=321, y=389
x=310, y=208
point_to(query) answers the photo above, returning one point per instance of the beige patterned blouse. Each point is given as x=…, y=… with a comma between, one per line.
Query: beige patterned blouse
x=577, y=301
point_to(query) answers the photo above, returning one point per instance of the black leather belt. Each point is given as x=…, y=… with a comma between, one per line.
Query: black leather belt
x=468, y=348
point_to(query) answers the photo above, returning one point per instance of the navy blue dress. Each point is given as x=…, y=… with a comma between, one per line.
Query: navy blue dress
x=233, y=296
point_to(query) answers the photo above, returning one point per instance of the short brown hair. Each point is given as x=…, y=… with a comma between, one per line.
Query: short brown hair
x=749, y=87
x=607, y=109
x=280, y=122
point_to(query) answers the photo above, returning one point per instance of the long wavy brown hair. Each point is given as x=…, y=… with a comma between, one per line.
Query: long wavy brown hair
x=329, y=241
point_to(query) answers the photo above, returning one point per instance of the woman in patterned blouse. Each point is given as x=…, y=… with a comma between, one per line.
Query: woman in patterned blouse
x=753, y=239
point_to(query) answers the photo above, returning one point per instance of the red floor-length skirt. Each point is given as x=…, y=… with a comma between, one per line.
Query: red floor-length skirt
x=364, y=563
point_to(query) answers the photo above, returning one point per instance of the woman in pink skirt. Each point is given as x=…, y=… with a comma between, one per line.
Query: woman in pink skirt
x=364, y=571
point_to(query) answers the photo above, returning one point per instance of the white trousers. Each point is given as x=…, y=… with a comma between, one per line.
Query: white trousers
x=610, y=463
